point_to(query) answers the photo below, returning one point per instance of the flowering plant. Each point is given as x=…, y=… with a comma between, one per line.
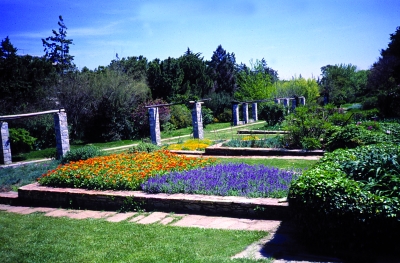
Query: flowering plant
x=122, y=171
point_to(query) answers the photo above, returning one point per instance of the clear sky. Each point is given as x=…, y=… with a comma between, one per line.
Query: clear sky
x=294, y=36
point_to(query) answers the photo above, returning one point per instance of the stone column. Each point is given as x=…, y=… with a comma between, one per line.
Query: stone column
x=254, y=111
x=197, y=121
x=5, y=147
x=294, y=104
x=302, y=100
x=154, y=126
x=62, y=136
x=278, y=101
x=235, y=114
x=245, y=109
x=286, y=102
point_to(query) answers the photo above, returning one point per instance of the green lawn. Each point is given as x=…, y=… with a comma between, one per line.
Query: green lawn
x=37, y=238
x=274, y=162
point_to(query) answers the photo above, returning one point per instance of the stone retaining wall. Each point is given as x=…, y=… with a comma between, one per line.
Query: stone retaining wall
x=267, y=208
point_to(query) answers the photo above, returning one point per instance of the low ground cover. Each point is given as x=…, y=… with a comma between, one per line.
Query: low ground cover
x=36, y=238
x=191, y=144
x=225, y=180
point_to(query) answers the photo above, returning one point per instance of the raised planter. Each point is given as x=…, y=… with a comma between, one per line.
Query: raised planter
x=260, y=132
x=267, y=208
x=217, y=149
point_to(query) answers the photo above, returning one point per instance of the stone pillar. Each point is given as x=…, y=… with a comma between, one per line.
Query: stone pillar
x=278, y=101
x=254, y=111
x=154, y=126
x=302, y=100
x=62, y=136
x=245, y=109
x=235, y=114
x=5, y=147
x=294, y=102
x=197, y=121
x=286, y=102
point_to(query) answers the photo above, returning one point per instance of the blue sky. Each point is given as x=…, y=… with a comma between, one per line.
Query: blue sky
x=295, y=37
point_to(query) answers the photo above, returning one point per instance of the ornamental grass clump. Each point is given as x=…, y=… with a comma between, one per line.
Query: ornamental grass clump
x=225, y=180
x=122, y=171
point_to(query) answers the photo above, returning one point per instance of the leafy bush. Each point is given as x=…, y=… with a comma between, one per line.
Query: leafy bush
x=272, y=113
x=181, y=116
x=306, y=122
x=225, y=116
x=350, y=199
x=310, y=143
x=144, y=147
x=21, y=141
x=270, y=142
x=83, y=153
x=207, y=116
x=352, y=135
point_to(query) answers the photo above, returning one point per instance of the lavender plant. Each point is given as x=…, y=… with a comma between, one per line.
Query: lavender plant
x=225, y=180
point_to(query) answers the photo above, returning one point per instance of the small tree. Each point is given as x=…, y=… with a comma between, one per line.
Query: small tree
x=57, y=48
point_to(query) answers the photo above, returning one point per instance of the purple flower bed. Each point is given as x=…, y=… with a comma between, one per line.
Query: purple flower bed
x=225, y=180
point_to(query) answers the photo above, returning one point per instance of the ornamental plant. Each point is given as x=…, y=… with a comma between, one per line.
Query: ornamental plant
x=122, y=171
x=350, y=199
x=225, y=180
x=192, y=145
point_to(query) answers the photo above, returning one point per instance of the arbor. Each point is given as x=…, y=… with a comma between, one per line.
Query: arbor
x=57, y=48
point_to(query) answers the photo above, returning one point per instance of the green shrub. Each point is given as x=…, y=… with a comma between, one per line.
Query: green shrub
x=353, y=135
x=225, y=116
x=349, y=200
x=310, y=143
x=207, y=116
x=272, y=113
x=270, y=142
x=181, y=116
x=83, y=153
x=21, y=141
x=144, y=147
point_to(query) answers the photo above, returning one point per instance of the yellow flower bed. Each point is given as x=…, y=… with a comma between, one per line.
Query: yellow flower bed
x=191, y=145
x=250, y=138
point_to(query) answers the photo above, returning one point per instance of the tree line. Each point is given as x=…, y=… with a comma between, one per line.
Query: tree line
x=106, y=103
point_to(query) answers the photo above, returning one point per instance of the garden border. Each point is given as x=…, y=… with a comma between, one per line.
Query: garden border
x=234, y=206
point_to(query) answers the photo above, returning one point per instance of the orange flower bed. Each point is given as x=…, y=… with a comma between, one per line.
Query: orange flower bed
x=119, y=171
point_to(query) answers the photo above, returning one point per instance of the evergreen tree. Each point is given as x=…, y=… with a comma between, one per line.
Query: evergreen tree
x=57, y=48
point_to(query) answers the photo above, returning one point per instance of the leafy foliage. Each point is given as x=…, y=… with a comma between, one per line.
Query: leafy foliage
x=272, y=113
x=254, y=83
x=350, y=199
x=144, y=147
x=181, y=117
x=82, y=153
x=140, y=116
x=21, y=141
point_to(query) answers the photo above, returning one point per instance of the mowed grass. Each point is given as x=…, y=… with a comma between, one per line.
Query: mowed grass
x=37, y=238
x=273, y=162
